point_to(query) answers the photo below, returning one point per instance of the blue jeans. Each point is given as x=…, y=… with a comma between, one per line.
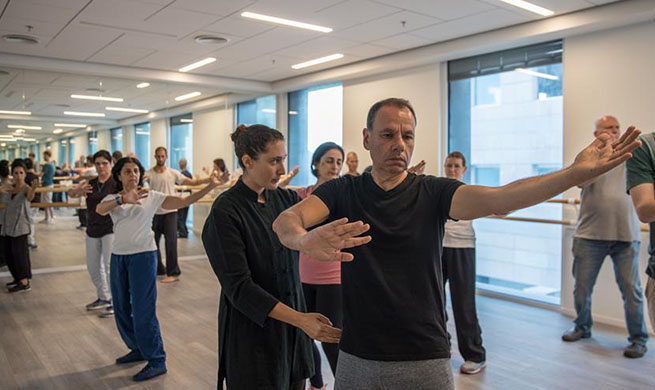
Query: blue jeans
x=588, y=257
x=134, y=290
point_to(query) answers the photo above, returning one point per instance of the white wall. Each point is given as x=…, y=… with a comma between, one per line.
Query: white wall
x=158, y=137
x=608, y=72
x=80, y=144
x=211, y=139
x=128, y=139
x=104, y=140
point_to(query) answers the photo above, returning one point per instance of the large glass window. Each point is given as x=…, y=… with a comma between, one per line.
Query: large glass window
x=181, y=141
x=63, y=148
x=71, y=151
x=505, y=116
x=92, y=142
x=142, y=143
x=315, y=116
x=116, y=139
x=257, y=111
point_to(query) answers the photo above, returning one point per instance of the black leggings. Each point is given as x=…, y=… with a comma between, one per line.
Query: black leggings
x=17, y=256
x=324, y=299
x=166, y=225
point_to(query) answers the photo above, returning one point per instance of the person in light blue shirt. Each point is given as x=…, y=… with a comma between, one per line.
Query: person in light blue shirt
x=47, y=180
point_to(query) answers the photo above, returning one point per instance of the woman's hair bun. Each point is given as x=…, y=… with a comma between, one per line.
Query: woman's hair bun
x=240, y=130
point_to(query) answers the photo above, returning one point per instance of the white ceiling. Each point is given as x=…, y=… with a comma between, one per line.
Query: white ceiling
x=159, y=34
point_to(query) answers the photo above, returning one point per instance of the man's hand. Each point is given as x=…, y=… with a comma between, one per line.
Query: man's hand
x=326, y=242
x=319, y=327
x=602, y=156
x=418, y=168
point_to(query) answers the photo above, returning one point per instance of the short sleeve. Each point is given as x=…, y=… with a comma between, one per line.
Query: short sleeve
x=157, y=198
x=329, y=192
x=442, y=191
x=639, y=168
x=179, y=177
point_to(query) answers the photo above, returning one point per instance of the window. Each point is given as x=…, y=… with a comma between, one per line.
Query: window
x=315, y=116
x=71, y=151
x=257, y=111
x=116, y=139
x=23, y=152
x=506, y=117
x=92, y=142
x=12, y=154
x=142, y=143
x=63, y=145
x=181, y=141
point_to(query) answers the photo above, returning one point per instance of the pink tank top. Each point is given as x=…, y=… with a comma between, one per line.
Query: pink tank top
x=314, y=271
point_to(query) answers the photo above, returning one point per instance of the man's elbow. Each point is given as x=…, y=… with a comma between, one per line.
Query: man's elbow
x=644, y=215
x=279, y=223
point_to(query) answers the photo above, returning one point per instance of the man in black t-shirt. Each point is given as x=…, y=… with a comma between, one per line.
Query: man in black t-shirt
x=394, y=330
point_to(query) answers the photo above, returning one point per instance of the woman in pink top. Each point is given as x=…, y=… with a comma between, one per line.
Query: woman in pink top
x=321, y=281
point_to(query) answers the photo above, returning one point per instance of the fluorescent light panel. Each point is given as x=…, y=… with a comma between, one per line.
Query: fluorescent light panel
x=268, y=110
x=286, y=22
x=57, y=131
x=187, y=96
x=537, y=74
x=198, y=64
x=10, y=112
x=529, y=7
x=185, y=120
x=78, y=113
x=24, y=127
x=317, y=61
x=143, y=85
x=92, y=97
x=69, y=125
x=126, y=109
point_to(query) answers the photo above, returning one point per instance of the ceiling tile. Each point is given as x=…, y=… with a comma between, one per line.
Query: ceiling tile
x=442, y=9
x=403, y=42
x=299, y=10
x=350, y=13
x=39, y=28
x=367, y=50
x=69, y=45
x=120, y=55
x=318, y=47
x=470, y=25
x=265, y=43
x=41, y=12
x=118, y=12
x=236, y=25
x=557, y=6
x=177, y=21
x=397, y=23
x=213, y=6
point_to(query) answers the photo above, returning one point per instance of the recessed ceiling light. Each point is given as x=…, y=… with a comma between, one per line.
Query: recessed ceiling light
x=19, y=131
x=187, y=96
x=10, y=112
x=57, y=131
x=529, y=7
x=186, y=120
x=127, y=109
x=92, y=97
x=537, y=74
x=78, y=113
x=268, y=110
x=198, y=64
x=19, y=38
x=24, y=127
x=143, y=85
x=293, y=112
x=317, y=61
x=210, y=40
x=286, y=22
x=69, y=125
x=3, y=144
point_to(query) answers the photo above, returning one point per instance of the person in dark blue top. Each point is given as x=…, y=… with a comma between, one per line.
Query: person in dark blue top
x=263, y=329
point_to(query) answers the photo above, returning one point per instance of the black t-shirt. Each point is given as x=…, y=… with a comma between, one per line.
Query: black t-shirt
x=96, y=224
x=29, y=178
x=393, y=296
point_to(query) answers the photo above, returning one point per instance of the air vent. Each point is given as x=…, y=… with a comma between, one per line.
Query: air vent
x=210, y=40
x=18, y=38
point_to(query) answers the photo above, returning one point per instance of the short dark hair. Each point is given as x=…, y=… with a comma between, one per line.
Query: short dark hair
x=220, y=163
x=102, y=153
x=4, y=168
x=458, y=155
x=47, y=153
x=28, y=163
x=253, y=140
x=320, y=151
x=117, y=155
x=18, y=163
x=396, y=102
x=116, y=170
x=158, y=148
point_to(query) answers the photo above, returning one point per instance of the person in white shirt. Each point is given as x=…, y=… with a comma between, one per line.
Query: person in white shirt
x=459, y=270
x=134, y=262
x=164, y=179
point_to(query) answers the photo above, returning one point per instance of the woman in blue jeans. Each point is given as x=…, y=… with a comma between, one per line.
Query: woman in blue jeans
x=134, y=263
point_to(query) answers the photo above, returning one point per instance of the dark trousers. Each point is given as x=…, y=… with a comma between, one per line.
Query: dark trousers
x=182, y=230
x=459, y=270
x=166, y=224
x=17, y=256
x=327, y=300
x=133, y=281
x=81, y=215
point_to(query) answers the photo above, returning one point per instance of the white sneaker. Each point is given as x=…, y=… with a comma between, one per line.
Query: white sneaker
x=472, y=368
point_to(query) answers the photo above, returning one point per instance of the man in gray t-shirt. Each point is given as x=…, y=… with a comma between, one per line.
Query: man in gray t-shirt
x=608, y=226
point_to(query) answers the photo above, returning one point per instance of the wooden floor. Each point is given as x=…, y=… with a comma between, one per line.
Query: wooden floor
x=48, y=341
